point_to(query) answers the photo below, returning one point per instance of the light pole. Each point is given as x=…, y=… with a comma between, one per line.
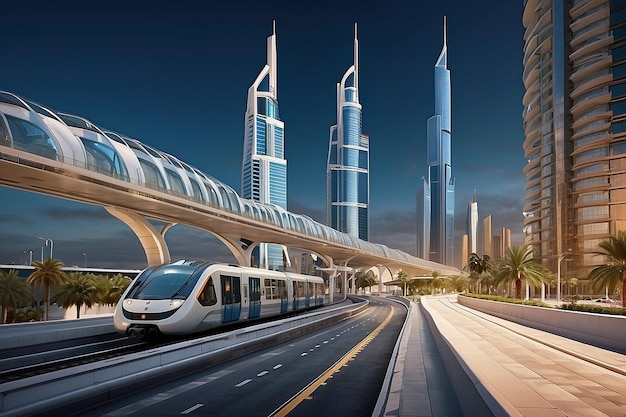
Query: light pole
x=51, y=246
x=85, y=255
x=30, y=257
x=558, y=276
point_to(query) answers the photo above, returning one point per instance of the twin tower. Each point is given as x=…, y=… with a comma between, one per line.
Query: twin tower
x=264, y=167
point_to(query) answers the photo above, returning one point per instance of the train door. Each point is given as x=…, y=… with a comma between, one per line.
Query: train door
x=282, y=293
x=231, y=298
x=255, y=298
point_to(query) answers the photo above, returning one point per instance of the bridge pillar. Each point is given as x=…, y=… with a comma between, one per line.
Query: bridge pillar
x=152, y=241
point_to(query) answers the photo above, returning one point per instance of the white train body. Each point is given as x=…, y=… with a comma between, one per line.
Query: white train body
x=185, y=297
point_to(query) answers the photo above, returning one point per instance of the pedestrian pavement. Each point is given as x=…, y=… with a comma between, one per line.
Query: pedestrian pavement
x=497, y=367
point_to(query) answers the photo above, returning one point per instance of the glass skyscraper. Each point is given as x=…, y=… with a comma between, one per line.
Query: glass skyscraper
x=264, y=168
x=440, y=183
x=575, y=129
x=347, y=174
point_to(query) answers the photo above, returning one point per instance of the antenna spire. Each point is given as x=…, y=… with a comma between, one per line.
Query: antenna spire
x=445, y=30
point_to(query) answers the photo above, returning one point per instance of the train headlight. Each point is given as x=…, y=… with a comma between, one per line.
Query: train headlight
x=129, y=302
x=176, y=303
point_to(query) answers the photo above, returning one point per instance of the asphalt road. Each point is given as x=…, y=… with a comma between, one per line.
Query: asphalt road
x=335, y=371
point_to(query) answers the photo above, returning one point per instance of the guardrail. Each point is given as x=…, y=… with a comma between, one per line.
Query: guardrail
x=62, y=390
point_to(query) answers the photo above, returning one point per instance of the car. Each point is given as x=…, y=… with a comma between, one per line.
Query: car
x=606, y=300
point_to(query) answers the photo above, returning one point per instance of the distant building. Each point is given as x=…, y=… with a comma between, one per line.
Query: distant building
x=440, y=183
x=423, y=220
x=347, y=174
x=487, y=248
x=472, y=226
x=264, y=167
x=575, y=128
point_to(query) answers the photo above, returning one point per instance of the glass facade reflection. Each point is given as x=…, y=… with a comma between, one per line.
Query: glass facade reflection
x=440, y=183
x=575, y=128
x=347, y=175
x=264, y=167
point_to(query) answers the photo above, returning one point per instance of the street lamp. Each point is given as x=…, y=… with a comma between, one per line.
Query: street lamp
x=51, y=246
x=558, y=276
x=85, y=255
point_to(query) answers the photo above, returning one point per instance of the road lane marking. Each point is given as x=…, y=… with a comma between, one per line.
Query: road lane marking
x=306, y=392
x=262, y=373
x=242, y=383
x=277, y=366
x=190, y=409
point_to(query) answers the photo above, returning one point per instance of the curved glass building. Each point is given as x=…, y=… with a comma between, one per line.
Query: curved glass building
x=575, y=128
x=347, y=173
x=264, y=167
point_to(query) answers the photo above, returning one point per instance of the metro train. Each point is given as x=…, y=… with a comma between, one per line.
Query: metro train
x=186, y=296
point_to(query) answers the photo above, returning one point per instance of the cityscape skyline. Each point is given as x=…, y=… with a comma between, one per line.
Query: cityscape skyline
x=127, y=101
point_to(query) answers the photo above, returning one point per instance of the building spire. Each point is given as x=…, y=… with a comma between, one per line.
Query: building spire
x=445, y=31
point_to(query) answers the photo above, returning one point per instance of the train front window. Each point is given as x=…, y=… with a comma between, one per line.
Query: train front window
x=173, y=282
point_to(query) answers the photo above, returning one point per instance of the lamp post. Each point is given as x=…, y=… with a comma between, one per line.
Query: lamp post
x=51, y=246
x=85, y=255
x=558, y=276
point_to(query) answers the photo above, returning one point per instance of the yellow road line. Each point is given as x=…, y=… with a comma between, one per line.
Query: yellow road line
x=305, y=393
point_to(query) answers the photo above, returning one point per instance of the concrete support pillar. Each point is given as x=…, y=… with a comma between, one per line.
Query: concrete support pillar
x=152, y=241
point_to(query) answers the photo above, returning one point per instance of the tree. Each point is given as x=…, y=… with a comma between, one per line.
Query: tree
x=14, y=293
x=47, y=274
x=76, y=290
x=403, y=277
x=458, y=283
x=611, y=274
x=477, y=267
x=518, y=265
x=110, y=290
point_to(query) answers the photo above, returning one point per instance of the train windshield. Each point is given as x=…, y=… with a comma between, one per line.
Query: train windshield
x=174, y=281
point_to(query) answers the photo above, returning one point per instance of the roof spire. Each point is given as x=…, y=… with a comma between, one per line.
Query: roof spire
x=445, y=30
x=274, y=27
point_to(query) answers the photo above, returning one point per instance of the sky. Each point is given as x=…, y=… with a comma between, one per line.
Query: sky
x=175, y=75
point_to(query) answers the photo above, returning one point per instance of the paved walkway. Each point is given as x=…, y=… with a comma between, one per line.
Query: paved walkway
x=514, y=375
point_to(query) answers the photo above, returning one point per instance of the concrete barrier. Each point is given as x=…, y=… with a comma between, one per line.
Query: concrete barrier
x=602, y=330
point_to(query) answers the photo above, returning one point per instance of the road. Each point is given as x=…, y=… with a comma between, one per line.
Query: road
x=337, y=370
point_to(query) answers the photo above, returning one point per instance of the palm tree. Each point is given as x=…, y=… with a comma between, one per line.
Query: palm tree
x=47, y=274
x=403, y=277
x=478, y=266
x=14, y=293
x=518, y=264
x=458, y=283
x=78, y=289
x=110, y=290
x=612, y=273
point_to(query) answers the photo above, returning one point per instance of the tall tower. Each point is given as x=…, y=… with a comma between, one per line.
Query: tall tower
x=575, y=129
x=472, y=227
x=347, y=172
x=264, y=167
x=440, y=179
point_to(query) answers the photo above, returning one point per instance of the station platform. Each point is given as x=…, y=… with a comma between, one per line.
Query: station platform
x=498, y=368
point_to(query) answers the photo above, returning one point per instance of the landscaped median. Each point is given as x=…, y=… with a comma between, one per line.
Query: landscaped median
x=602, y=330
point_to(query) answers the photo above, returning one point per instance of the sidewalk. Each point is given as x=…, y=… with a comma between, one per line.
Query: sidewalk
x=520, y=377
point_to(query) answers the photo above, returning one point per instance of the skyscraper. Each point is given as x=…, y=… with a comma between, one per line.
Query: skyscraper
x=440, y=180
x=264, y=167
x=472, y=227
x=347, y=172
x=575, y=128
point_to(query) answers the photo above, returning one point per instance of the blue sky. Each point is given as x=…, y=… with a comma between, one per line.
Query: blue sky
x=175, y=75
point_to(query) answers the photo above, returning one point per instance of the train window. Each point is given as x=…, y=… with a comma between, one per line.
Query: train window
x=207, y=296
x=271, y=290
x=282, y=290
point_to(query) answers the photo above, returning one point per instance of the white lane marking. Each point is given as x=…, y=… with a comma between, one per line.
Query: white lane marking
x=303, y=354
x=190, y=409
x=262, y=373
x=277, y=366
x=325, y=341
x=317, y=346
x=242, y=383
x=155, y=399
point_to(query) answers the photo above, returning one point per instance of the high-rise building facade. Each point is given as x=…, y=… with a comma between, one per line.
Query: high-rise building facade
x=575, y=128
x=347, y=174
x=472, y=227
x=264, y=167
x=440, y=180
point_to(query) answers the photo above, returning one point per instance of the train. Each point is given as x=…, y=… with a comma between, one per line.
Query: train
x=189, y=296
